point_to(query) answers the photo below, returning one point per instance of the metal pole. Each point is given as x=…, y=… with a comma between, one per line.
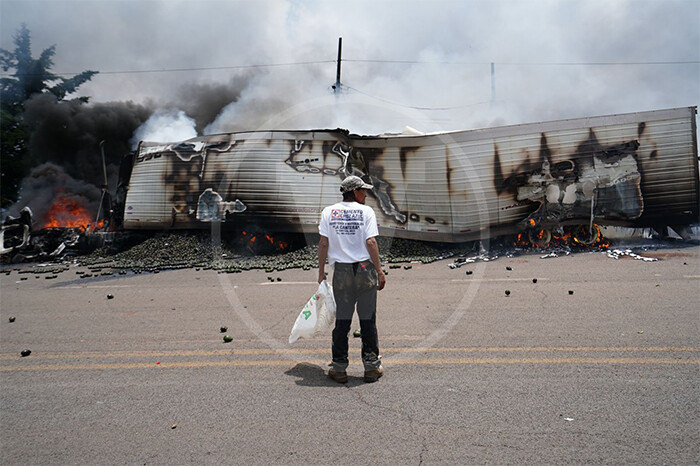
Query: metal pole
x=104, y=165
x=104, y=186
x=336, y=86
x=493, y=84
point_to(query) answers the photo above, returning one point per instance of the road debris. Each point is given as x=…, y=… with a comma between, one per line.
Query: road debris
x=555, y=254
x=617, y=253
x=482, y=256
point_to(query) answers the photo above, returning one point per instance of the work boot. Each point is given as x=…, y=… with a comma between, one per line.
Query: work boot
x=340, y=377
x=373, y=375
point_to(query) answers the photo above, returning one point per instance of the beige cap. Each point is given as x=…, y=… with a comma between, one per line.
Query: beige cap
x=352, y=183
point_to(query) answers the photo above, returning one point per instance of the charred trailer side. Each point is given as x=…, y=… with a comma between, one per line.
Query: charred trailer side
x=637, y=170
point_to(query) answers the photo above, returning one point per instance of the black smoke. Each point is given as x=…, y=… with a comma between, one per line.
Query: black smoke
x=64, y=152
x=204, y=102
x=69, y=133
x=49, y=183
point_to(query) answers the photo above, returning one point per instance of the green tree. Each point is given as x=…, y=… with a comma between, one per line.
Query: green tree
x=31, y=76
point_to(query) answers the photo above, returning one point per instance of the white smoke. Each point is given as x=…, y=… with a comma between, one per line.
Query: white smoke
x=423, y=64
x=165, y=126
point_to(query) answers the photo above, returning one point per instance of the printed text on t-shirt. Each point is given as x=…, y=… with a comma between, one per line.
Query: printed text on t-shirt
x=346, y=222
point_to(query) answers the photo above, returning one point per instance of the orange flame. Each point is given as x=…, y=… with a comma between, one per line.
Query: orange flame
x=250, y=239
x=571, y=236
x=66, y=213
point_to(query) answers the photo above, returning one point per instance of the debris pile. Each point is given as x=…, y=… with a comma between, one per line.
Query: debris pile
x=154, y=252
x=393, y=250
x=47, y=244
x=168, y=251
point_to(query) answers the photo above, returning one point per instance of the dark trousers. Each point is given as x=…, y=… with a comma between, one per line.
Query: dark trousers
x=355, y=285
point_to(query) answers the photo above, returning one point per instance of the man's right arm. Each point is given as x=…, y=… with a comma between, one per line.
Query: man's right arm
x=322, y=256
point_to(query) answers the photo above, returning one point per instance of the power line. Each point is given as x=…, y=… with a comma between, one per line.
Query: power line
x=177, y=70
x=394, y=62
x=593, y=63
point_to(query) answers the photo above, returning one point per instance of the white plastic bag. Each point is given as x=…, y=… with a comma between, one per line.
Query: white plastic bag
x=318, y=315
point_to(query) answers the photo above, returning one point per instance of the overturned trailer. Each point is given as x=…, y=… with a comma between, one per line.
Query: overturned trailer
x=636, y=170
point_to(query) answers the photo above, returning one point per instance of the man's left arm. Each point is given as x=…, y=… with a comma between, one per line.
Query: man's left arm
x=373, y=250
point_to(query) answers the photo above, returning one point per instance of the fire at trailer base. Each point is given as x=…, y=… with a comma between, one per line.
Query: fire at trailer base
x=638, y=170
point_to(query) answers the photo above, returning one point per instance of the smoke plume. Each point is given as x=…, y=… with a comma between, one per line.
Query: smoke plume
x=49, y=182
x=165, y=126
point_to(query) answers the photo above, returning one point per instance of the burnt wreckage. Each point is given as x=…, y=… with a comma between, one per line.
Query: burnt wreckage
x=636, y=170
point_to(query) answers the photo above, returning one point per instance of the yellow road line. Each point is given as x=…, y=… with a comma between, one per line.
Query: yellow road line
x=403, y=350
x=415, y=361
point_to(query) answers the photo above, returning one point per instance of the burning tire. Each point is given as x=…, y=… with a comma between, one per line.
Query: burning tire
x=539, y=237
x=583, y=235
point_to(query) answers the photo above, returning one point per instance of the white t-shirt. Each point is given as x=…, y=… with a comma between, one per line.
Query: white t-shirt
x=347, y=225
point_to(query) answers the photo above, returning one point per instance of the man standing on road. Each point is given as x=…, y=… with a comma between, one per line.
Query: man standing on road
x=348, y=230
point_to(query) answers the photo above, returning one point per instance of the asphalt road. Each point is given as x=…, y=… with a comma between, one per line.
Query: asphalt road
x=606, y=375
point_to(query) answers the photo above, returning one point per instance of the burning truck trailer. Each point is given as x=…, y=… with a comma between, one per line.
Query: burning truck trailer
x=538, y=181
x=546, y=183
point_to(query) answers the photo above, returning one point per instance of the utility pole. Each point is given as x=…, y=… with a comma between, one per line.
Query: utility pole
x=336, y=86
x=493, y=84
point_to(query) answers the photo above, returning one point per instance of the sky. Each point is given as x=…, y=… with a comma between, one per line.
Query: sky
x=225, y=65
